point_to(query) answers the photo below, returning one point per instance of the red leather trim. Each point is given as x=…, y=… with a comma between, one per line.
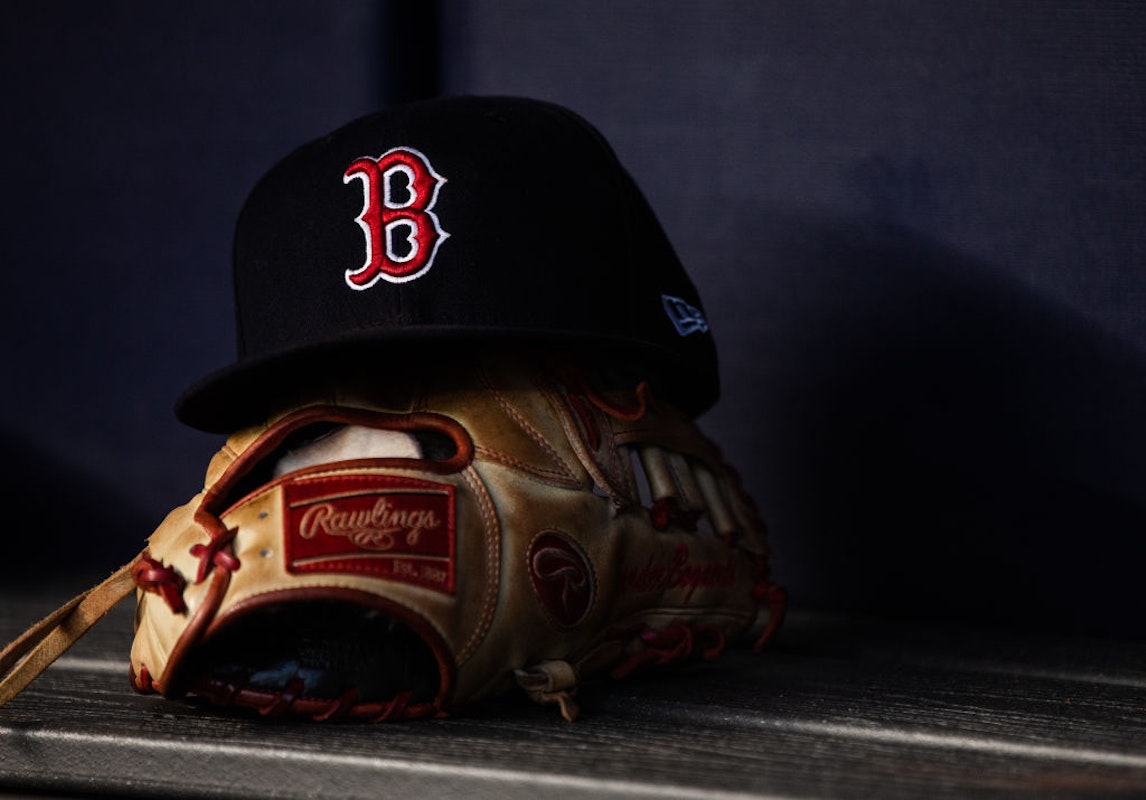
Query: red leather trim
x=172, y=683
x=412, y=619
x=277, y=433
x=346, y=707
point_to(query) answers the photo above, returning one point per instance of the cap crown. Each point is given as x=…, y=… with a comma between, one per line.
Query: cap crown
x=476, y=219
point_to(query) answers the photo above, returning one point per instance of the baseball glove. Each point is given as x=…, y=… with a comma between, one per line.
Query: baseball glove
x=396, y=554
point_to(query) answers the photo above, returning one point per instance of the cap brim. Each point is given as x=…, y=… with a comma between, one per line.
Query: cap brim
x=249, y=391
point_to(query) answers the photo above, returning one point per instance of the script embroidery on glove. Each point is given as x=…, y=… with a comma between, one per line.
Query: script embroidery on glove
x=375, y=529
x=397, y=528
x=680, y=572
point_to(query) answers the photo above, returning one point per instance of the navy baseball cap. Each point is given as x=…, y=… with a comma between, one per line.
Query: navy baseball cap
x=465, y=222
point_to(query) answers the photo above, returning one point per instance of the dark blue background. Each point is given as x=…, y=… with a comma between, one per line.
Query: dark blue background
x=918, y=227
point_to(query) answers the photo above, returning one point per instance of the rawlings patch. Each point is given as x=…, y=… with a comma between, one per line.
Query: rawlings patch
x=401, y=529
x=562, y=578
x=399, y=190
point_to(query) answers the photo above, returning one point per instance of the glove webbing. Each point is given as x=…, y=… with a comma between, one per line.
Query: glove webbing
x=35, y=650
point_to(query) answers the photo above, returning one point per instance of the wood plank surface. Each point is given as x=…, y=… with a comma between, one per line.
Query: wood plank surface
x=838, y=708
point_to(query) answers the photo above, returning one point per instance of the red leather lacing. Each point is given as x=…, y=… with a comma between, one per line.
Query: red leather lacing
x=154, y=576
x=667, y=511
x=771, y=595
x=617, y=411
x=281, y=703
x=224, y=692
x=775, y=597
x=346, y=701
x=394, y=710
x=141, y=680
x=213, y=554
x=581, y=395
x=291, y=701
x=676, y=642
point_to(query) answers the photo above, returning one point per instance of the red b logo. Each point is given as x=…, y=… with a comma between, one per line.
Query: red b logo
x=399, y=189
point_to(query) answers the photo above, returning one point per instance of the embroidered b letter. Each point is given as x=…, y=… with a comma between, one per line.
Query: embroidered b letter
x=399, y=189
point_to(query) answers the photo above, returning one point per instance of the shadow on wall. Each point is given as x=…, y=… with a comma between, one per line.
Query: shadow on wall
x=62, y=524
x=936, y=443
x=947, y=444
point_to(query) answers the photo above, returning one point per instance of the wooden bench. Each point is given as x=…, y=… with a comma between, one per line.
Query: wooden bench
x=837, y=707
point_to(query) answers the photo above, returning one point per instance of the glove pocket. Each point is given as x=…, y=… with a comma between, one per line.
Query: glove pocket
x=340, y=596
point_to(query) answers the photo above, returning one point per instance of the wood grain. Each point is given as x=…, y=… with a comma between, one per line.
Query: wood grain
x=838, y=708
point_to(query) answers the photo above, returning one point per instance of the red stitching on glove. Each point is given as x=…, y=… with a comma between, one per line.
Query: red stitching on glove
x=661, y=647
x=338, y=708
x=718, y=641
x=578, y=383
x=281, y=703
x=394, y=709
x=775, y=597
x=239, y=692
x=581, y=393
x=212, y=554
x=141, y=681
x=667, y=511
x=154, y=576
x=672, y=643
x=642, y=392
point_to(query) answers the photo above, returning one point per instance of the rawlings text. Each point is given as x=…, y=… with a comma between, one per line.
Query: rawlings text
x=398, y=528
x=374, y=529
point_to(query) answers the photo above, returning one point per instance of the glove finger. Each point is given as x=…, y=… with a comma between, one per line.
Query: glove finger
x=690, y=493
x=637, y=489
x=719, y=510
x=656, y=467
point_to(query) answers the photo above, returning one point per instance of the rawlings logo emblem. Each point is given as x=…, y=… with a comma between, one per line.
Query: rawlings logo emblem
x=686, y=318
x=401, y=529
x=378, y=528
x=562, y=578
x=399, y=190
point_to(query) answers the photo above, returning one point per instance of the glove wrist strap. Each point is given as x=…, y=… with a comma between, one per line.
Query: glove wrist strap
x=35, y=649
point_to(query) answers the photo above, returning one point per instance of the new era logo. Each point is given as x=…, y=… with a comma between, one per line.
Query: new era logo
x=685, y=317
